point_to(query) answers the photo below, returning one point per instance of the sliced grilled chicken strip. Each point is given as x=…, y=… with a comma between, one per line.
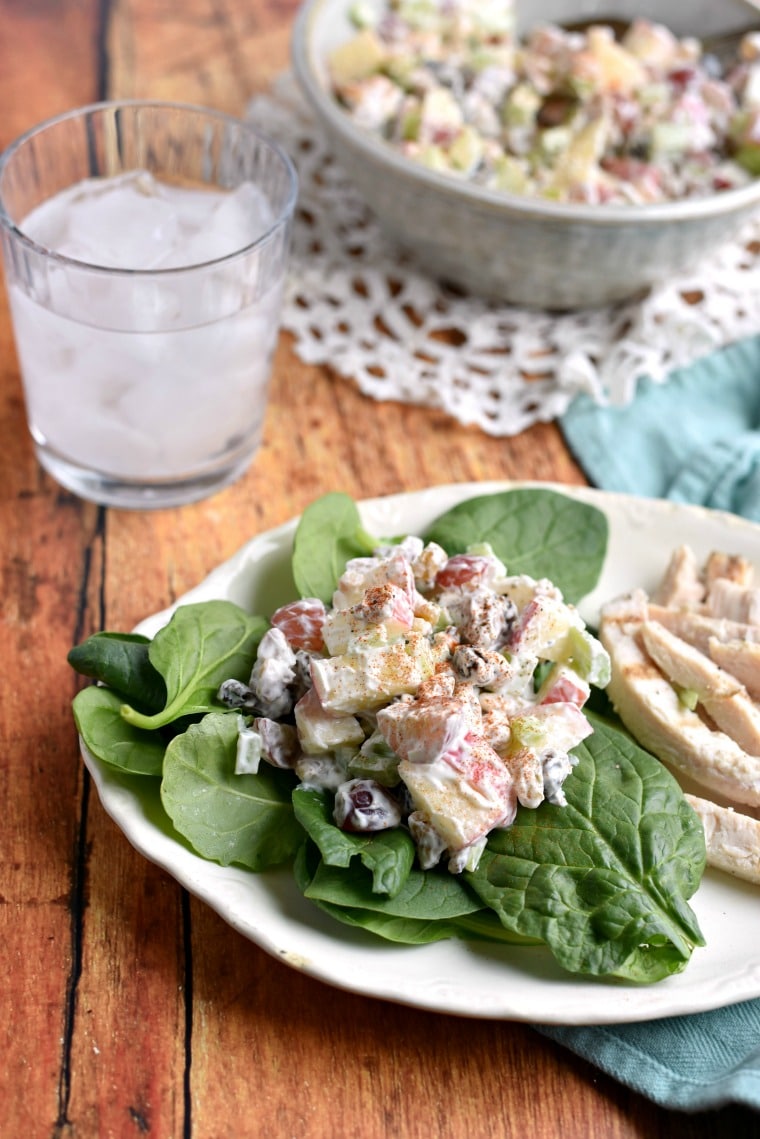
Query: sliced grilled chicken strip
x=686, y=665
x=741, y=659
x=721, y=695
x=731, y=566
x=651, y=710
x=734, y=602
x=732, y=839
x=681, y=585
x=697, y=628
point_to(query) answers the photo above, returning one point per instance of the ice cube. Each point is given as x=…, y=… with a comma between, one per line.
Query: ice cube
x=122, y=223
x=235, y=220
x=134, y=221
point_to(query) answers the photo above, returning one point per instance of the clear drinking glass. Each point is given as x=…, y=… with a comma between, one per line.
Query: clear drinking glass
x=145, y=317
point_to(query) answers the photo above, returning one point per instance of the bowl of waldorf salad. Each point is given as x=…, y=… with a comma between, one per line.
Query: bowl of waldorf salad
x=548, y=154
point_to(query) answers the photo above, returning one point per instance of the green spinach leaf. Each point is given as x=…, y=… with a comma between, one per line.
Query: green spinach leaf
x=427, y=895
x=97, y=714
x=388, y=855
x=534, y=531
x=202, y=645
x=246, y=819
x=404, y=931
x=122, y=661
x=605, y=880
x=436, y=907
x=328, y=534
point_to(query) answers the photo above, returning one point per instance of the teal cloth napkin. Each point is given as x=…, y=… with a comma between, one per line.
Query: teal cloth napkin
x=694, y=438
x=689, y=1063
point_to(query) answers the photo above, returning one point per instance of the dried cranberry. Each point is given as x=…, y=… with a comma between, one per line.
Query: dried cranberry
x=682, y=77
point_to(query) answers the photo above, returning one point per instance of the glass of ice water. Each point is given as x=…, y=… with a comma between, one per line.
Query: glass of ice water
x=145, y=248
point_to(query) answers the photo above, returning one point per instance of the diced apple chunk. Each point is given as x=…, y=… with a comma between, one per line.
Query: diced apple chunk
x=357, y=59
x=359, y=681
x=464, y=794
x=383, y=614
x=321, y=730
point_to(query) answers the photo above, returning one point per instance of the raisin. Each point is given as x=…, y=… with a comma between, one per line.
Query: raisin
x=555, y=110
x=363, y=805
x=235, y=694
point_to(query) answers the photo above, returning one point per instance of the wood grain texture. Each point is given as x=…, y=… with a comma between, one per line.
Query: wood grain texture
x=128, y=1008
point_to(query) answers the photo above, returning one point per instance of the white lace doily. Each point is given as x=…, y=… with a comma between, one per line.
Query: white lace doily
x=356, y=304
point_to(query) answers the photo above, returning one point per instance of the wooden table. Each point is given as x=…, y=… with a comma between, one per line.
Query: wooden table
x=128, y=1008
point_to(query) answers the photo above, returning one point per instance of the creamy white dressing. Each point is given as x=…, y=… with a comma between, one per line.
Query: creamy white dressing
x=442, y=708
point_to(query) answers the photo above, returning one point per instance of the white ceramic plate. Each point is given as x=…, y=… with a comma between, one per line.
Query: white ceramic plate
x=469, y=979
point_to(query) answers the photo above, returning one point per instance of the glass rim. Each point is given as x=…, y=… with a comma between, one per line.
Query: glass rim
x=284, y=214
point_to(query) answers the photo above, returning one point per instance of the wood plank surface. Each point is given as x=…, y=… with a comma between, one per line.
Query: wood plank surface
x=128, y=1008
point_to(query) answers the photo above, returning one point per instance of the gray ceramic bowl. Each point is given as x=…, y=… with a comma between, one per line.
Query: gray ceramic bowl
x=518, y=249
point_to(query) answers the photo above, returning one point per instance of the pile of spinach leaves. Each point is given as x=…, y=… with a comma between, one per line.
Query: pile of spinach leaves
x=604, y=882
